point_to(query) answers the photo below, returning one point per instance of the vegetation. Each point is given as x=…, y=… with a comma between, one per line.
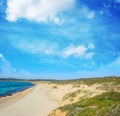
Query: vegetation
x=106, y=104
x=115, y=80
x=75, y=82
x=88, y=81
x=71, y=95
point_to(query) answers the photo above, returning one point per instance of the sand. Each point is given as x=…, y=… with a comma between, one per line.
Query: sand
x=37, y=102
x=43, y=98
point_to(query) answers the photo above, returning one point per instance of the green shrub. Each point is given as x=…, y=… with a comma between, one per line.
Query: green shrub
x=100, y=105
x=71, y=95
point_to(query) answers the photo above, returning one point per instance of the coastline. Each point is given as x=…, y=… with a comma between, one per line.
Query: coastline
x=9, y=99
x=39, y=100
x=21, y=88
x=36, y=101
x=47, y=98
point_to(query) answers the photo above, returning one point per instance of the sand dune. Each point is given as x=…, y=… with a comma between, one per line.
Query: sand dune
x=42, y=99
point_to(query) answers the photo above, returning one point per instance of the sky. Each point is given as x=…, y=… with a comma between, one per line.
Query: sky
x=59, y=39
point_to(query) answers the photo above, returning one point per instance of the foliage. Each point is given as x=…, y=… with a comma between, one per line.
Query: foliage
x=71, y=95
x=105, y=104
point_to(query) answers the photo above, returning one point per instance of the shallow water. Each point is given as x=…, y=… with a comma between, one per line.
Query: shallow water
x=11, y=87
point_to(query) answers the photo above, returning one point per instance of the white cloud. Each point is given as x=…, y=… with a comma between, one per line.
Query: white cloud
x=91, y=46
x=78, y=51
x=36, y=46
x=1, y=2
x=115, y=65
x=111, y=69
x=5, y=66
x=1, y=56
x=37, y=10
x=85, y=12
x=118, y=1
x=42, y=47
x=107, y=5
x=89, y=55
x=7, y=70
x=24, y=73
x=91, y=15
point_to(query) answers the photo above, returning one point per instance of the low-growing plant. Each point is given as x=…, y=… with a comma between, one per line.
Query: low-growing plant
x=71, y=95
x=100, y=105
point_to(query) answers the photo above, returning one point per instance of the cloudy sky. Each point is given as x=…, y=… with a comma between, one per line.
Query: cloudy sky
x=59, y=39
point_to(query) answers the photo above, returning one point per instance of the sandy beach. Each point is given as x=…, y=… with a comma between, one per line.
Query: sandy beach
x=36, y=101
x=46, y=98
x=41, y=99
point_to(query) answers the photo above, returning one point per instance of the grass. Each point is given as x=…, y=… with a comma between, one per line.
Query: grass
x=89, y=81
x=110, y=86
x=114, y=80
x=106, y=104
x=71, y=95
x=75, y=82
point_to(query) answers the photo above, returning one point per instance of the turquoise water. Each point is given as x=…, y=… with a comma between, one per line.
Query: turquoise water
x=10, y=87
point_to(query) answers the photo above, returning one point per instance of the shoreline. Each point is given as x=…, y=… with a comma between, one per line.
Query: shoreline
x=17, y=91
x=21, y=88
x=45, y=98
x=35, y=101
x=9, y=99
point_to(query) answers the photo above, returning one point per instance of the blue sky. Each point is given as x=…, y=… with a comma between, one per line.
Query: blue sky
x=59, y=39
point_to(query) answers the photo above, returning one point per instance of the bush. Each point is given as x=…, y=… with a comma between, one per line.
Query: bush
x=100, y=105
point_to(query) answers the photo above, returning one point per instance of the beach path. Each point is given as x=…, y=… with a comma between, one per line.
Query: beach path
x=39, y=102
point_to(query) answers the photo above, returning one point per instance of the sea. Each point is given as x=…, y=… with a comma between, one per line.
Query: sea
x=11, y=87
